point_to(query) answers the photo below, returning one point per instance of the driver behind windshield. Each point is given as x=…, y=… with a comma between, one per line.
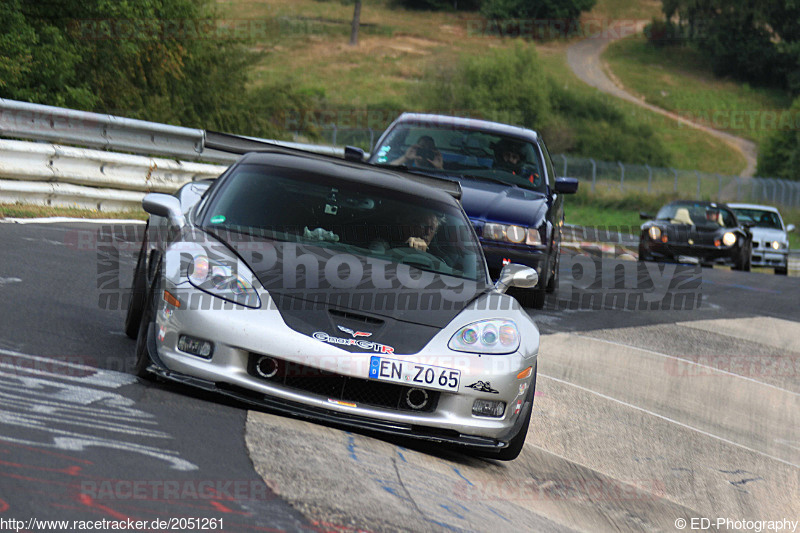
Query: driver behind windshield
x=423, y=154
x=510, y=156
x=421, y=232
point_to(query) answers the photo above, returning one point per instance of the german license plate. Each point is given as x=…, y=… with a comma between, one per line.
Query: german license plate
x=688, y=259
x=414, y=374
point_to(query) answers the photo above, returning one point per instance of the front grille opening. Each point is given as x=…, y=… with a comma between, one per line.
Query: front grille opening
x=372, y=321
x=339, y=387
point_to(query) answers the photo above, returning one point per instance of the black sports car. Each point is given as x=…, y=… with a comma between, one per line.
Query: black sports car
x=696, y=232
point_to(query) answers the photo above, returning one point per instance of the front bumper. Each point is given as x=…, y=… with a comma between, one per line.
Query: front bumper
x=764, y=257
x=498, y=254
x=678, y=251
x=239, y=334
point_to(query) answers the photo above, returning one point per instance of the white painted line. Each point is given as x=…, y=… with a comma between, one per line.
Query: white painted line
x=688, y=362
x=50, y=367
x=6, y=281
x=667, y=419
x=59, y=220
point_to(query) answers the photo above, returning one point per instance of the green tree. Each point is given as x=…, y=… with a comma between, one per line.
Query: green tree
x=750, y=40
x=780, y=155
x=540, y=9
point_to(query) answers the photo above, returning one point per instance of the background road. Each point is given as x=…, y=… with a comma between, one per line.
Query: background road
x=688, y=409
x=584, y=58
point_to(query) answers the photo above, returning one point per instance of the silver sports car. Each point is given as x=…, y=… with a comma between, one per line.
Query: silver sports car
x=340, y=292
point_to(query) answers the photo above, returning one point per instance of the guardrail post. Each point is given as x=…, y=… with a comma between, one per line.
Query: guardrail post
x=371, y=139
x=594, y=174
x=621, y=176
x=565, y=164
x=719, y=192
x=649, y=179
x=696, y=173
x=783, y=191
x=335, y=131
x=675, y=186
x=738, y=188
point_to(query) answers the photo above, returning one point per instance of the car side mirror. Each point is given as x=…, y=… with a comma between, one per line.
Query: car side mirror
x=351, y=153
x=164, y=205
x=566, y=185
x=749, y=224
x=645, y=216
x=515, y=275
x=790, y=228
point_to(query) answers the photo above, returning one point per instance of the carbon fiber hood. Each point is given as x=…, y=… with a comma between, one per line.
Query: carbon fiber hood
x=358, y=299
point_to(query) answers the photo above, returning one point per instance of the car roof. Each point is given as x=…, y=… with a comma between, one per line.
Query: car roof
x=358, y=173
x=426, y=119
x=755, y=206
x=706, y=203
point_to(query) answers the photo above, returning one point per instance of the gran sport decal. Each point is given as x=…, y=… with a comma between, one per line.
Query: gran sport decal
x=364, y=345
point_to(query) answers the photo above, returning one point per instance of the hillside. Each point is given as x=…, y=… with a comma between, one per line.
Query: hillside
x=307, y=45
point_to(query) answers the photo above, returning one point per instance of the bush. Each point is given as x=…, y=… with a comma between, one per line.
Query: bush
x=662, y=33
x=780, y=155
x=540, y=9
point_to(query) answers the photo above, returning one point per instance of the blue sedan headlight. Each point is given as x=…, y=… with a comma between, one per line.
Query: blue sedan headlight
x=494, y=336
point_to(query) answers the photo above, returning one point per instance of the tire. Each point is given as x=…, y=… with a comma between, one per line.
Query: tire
x=142, y=357
x=643, y=255
x=552, y=284
x=534, y=298
x=138, y=296
x=744, y=261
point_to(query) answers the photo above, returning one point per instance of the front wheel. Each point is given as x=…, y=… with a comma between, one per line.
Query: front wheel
x=744, y=261
x=138, y=296
x=142, y=360
x=534, y=298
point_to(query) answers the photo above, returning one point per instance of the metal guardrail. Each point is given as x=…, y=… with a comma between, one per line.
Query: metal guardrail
x=66, y=176
x=55, y=124
x=59, y=125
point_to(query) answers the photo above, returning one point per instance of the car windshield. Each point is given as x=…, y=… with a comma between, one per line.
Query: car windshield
x=761, y=218
x=463, y=152
x=284, y=205
x=697, y=214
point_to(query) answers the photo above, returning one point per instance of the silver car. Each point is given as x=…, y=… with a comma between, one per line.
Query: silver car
x=770, y=235
x=339, y=292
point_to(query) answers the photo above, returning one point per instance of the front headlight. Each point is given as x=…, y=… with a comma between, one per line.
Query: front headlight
x=729, y=239
x=227, y=278
x=777, y=245
x=511, y=233
x=654, y=232
x=495, y=336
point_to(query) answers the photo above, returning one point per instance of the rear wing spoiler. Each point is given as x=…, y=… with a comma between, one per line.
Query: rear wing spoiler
x=238, y=144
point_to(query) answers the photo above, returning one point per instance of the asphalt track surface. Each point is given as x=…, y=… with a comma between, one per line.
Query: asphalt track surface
x=688, y=409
